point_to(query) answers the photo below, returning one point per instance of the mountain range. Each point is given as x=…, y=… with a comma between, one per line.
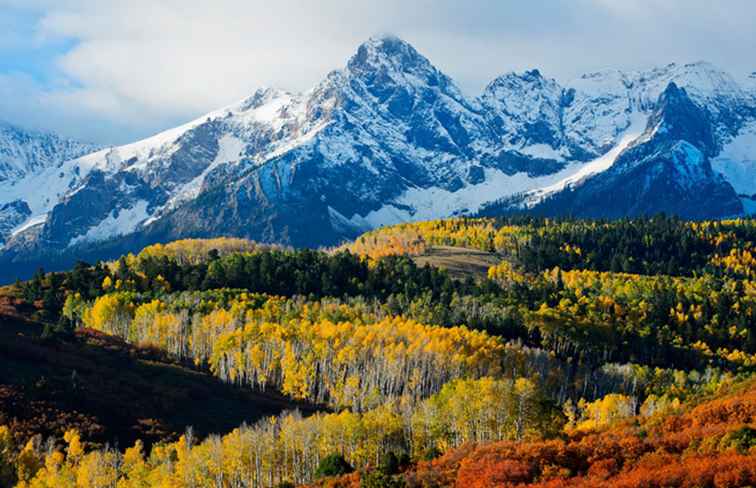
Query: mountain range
x=388, y=138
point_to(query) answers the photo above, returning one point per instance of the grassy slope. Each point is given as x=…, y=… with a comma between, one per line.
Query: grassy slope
x=111, y=391
x=460, y=262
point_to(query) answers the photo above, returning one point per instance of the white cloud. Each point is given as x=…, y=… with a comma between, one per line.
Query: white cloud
x=141, y=65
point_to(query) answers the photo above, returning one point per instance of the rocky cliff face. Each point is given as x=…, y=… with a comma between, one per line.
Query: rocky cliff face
x=667, y=169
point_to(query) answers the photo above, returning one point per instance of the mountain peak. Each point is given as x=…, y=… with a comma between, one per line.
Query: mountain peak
x=390, y=68
x=678, y=118
x=387, y=51
x=262, y=96
x=513, y=79
x=673, y=92
x=385, y=37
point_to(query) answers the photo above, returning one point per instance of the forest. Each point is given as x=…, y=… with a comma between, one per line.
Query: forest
x=594, y=353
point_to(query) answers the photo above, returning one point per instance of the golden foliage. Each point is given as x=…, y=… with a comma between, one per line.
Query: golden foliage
x=289, y=447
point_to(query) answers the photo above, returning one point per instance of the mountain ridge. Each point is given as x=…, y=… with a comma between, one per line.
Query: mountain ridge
x=387, y=138
x=667, y=168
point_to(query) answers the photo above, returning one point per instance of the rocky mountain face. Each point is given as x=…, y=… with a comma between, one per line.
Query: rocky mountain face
x=28, y=163
x=668, y=168
x=23, y=153
x=12, y=214
x=390, y=138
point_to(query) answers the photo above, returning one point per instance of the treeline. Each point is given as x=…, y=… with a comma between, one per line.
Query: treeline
x=277, y=272
x=651, y=246
x=280, y=272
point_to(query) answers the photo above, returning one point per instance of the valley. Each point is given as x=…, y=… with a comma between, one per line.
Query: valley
x=518, y=251
x=460, y=352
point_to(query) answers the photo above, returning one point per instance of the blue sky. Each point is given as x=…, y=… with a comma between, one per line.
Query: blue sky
x=112, y=72
x=20, y=52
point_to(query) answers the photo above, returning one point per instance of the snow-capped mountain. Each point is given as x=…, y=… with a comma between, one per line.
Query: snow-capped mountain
x=24, y=152
x=30, y=173
x=667, y=168
x=526, y=114
x=390, y=138
x=604, y=101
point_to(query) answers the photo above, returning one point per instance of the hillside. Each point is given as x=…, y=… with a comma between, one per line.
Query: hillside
x=110, y=391
x=711, y=442
x=460, y=262
x=577, y=354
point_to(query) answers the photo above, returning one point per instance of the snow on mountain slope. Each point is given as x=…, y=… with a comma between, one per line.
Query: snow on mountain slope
x=23, y=152
x=604, y=101
x=33, y=174
x=28, y=223
x=43, y=190
x=11, y=214
x=737, y=161
x=602, y=163
x=435, y=202
x=268, y=109
x=390, y=100
x=167, y=168
x=388, y=104
x=526, y=111
x=666, y=169
x=387, y=138
x=117, y=223
x=230, y=150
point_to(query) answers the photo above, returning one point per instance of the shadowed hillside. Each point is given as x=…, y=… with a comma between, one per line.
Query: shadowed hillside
x=112, y=392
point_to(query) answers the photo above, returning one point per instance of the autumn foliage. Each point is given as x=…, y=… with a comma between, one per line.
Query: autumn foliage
x=711, y=445
x=592, y=353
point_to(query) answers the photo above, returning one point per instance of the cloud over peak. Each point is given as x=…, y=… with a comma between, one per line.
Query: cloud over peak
x=131, y=68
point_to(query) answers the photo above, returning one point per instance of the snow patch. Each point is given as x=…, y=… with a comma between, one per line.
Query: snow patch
x=598, y=165
x=125, y=222
x=282, y=149
x=435, y=203
x=43, y=190
x=688, y=159
x=271, y=111
x=542, y=151
x=230, y=149
x=29, y=223
x=737, y=161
